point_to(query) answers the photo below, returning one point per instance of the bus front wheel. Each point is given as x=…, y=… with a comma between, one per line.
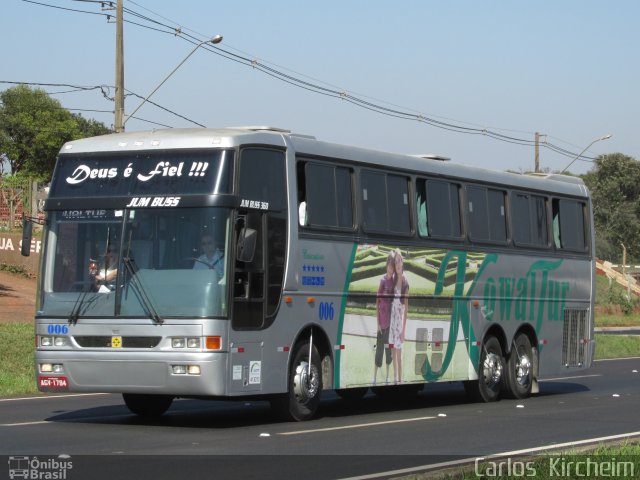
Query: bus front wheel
x=147, y=405
x=304, y=386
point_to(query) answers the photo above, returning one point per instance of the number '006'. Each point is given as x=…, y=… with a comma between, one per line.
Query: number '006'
x=326, y=311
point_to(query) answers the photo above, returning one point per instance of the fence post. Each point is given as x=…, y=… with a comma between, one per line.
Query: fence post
x=34, y=198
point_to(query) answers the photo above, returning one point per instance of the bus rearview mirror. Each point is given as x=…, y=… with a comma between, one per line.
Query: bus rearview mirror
x=27, y=233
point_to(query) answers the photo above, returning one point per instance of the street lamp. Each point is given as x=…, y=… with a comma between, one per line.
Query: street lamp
x=215, y=40
x=606, y=137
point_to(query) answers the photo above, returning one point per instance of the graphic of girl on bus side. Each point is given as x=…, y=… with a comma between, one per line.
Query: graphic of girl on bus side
x=399, y=309
x=383, y=309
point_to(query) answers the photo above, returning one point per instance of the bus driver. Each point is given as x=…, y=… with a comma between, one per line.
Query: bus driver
x=211, y=257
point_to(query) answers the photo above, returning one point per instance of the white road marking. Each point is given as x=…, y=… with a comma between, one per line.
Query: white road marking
x=570, y=378
x=471, y=460
x=70, y=395
x=361, y=425
x=23, y=424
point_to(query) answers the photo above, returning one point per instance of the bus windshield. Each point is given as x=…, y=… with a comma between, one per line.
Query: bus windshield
x=153, y=263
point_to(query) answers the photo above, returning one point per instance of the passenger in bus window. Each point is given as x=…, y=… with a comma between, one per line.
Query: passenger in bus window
x=211, y=257
x=399, y=309
x=106, y=274
x=383, y=308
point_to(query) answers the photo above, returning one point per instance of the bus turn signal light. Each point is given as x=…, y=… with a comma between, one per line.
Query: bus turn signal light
x=213, y=343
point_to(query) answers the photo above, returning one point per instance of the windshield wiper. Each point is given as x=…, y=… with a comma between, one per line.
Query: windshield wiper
x=75, y=312
x=146, y=302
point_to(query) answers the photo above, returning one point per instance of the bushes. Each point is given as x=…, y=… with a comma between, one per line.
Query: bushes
x=611, y=298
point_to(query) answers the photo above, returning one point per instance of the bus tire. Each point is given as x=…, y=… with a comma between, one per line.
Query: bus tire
x=303, y=396
x=519, y=374
x=147, y=405
x=490, y=373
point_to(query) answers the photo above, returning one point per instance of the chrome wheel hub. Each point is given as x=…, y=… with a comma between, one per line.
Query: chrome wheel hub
x=523, y=370
x=492, y=368
x=306, y=383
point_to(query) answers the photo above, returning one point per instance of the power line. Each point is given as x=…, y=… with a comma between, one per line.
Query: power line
x=105, y=89
x=313, y=85
x=64, y=8
x=356, y=100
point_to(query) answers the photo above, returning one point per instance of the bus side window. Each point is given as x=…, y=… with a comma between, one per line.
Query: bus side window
x=324, y=195
x=374, y=200
x=529, y=220
x=438, y=207
x=486, y=214
x=569, y=225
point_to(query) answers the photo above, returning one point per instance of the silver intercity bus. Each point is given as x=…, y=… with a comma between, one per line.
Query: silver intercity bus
x=248, y=262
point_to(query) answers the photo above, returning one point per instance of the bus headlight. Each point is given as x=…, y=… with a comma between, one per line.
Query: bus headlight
x=190, y=342
x=52, y=341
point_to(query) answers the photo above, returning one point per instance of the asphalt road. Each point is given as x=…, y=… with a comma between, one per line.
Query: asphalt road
x=373, y=436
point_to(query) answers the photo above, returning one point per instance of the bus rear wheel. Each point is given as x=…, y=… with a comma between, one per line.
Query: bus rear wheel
x=519, y=376
x=490, y=373
x=304, y=387
x=147, y=405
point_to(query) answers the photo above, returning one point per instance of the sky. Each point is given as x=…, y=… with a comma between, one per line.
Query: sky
x=566, y=69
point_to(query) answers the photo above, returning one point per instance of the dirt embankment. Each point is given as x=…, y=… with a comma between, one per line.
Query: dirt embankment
x=17, y=298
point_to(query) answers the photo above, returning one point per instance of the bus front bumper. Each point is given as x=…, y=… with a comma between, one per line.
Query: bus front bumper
x=194, y=374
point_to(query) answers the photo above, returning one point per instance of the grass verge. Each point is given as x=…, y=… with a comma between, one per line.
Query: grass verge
x=17, y=376
x=613, y=320
x=617, y=346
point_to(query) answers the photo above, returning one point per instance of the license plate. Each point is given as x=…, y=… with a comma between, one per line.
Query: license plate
x=56, y=383
x=116, y=342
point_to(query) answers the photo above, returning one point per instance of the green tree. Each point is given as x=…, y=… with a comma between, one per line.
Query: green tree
x=90, y=127
x=615, y=188
x=34, y=126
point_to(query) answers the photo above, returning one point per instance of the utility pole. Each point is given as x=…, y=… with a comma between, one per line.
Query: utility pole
x=624, y=270
x=537, y=154
x=119, y=99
